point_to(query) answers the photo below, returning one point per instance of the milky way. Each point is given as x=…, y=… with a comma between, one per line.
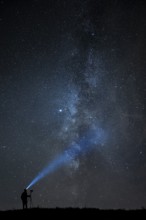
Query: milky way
x=68, y=68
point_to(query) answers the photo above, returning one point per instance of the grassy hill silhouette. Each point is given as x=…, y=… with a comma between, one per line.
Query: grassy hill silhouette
x=41, y=212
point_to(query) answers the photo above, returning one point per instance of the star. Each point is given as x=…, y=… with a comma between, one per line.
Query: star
x=60, y=110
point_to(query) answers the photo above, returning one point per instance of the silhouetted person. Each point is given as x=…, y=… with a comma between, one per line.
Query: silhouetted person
x=24, y=197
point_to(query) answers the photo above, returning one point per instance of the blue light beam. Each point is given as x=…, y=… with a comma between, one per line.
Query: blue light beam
x=91, y=139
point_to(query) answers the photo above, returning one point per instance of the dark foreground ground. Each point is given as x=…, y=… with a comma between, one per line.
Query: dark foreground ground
x=73, y=212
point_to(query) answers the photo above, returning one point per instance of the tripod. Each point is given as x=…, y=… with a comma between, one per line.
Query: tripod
x=31, y=198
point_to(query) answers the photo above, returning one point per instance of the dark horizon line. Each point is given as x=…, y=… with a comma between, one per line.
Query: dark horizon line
x=76, y=208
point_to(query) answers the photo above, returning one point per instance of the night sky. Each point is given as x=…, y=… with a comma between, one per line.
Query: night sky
x=68, y=67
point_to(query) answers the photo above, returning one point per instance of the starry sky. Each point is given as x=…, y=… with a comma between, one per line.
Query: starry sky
x=68, y=67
